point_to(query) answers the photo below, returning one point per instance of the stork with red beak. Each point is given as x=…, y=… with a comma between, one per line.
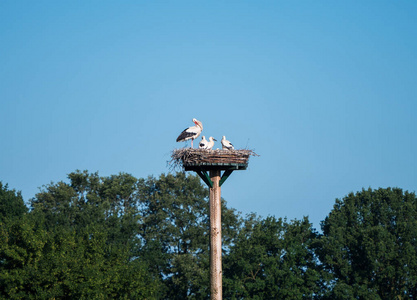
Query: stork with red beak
x=192, y=132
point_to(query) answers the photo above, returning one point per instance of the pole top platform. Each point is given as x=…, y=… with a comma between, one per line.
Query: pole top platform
x=204, y=166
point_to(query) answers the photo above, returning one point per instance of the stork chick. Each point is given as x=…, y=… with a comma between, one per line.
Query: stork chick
x=226, y=144
x=210, y=144
x=203, y=143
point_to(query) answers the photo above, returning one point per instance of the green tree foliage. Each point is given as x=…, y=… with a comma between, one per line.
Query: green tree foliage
x=11, y=203
x=68, y=265
x=90, y=200
x=92, y=232
x=272, y=259
x=119, y=237
x=369, y=245
x=78, y=242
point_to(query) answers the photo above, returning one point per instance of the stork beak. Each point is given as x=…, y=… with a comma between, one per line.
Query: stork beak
x=214, y=139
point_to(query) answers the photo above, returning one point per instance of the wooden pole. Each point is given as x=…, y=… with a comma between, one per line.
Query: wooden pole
x=215, y=238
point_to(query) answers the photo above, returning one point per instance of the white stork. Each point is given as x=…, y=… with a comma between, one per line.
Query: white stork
x=210, y=144
x=203, y=143
x=226, y=144
x=191, y=132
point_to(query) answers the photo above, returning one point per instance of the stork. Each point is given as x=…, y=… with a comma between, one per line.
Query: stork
x=210, y=144
x=226, y=144
x=203, y=143
x=191, y=132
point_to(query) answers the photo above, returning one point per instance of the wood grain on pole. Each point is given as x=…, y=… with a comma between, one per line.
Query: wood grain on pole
x=215, y=238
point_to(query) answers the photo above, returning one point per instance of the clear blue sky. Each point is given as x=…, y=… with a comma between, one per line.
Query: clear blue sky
x=324, y=91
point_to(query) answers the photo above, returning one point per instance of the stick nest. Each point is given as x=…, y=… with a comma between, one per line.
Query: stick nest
x=190, y=156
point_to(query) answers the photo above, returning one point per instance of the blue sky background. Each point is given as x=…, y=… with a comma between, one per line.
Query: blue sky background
x=324, y=91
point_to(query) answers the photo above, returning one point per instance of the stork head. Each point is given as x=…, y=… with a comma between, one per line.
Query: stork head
x=198, y=123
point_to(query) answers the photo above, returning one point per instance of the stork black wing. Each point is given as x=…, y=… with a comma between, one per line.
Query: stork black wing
x=185, y=135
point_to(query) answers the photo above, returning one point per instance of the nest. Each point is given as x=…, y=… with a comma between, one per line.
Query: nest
x=192, y=157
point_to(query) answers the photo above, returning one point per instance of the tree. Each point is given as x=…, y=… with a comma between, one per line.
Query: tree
x=79, y=241
x=272, y=259
x=89, y=200
x=369, y=245
x=68, y=264
x=11, y=203
x=161, y=223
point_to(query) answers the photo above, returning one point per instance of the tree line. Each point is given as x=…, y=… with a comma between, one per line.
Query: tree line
x=119, y=237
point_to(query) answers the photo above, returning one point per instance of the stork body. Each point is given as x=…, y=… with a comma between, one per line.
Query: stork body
x=191, y=133
x=226, y=144
x=210, y=144
x=203, y=143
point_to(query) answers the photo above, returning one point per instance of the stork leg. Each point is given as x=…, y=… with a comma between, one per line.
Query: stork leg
x=192, y=143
